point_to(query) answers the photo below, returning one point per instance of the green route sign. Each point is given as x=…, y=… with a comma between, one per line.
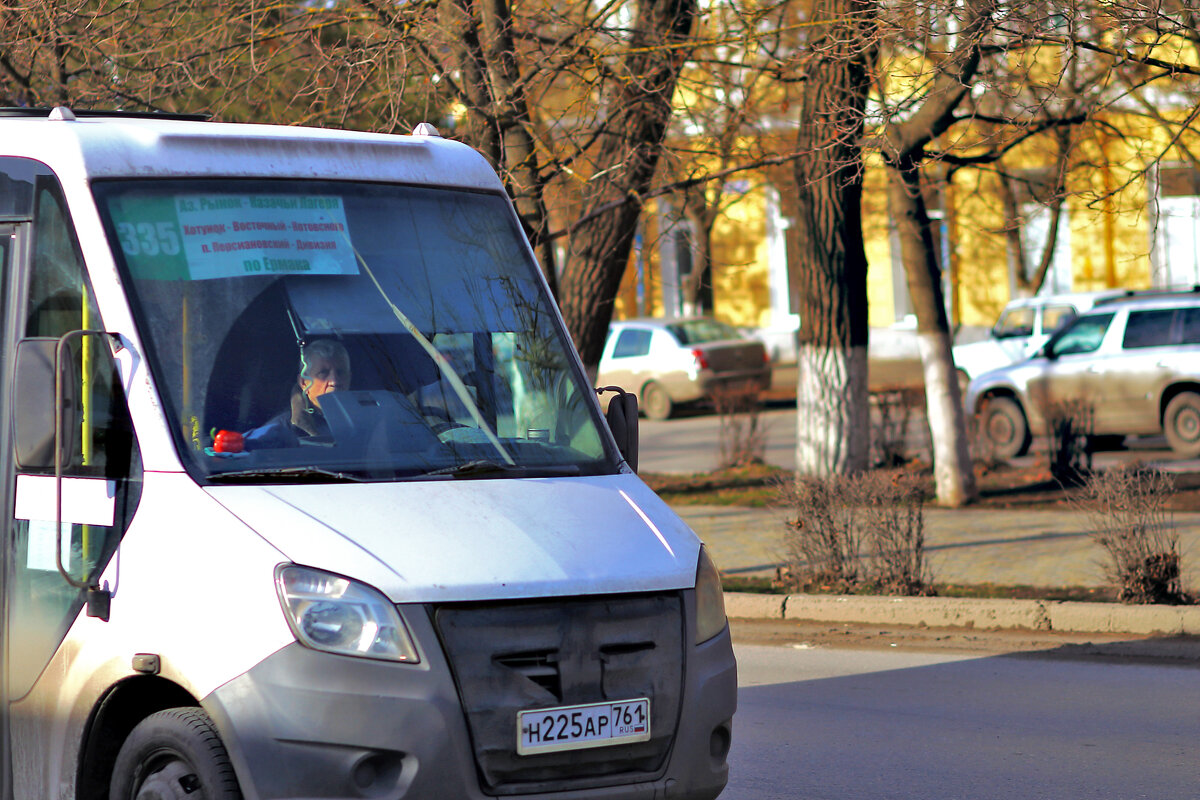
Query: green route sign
x=206, y=236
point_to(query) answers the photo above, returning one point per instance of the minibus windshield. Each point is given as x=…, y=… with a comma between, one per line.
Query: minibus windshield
x=337, y=331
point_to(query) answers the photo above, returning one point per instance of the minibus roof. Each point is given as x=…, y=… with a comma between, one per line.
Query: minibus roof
x=149, y=146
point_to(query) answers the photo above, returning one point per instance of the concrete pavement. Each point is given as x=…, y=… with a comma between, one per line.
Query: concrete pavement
x=970, y=546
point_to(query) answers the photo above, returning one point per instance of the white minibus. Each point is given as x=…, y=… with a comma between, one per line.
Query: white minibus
x=308, y=495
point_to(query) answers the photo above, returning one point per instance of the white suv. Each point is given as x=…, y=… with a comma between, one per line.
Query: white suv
x=1023, y=327
x=1135, y=361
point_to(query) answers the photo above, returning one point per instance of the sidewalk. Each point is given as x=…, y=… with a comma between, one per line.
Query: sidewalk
x=1001, y=546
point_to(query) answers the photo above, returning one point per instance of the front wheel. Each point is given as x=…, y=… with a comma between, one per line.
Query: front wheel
x=173, y=755
x=1181, y=424
x=1002, y=423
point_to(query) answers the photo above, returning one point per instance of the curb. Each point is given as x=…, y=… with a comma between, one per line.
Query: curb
x=937, y=612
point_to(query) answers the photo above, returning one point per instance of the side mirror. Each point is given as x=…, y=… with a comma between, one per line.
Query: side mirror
x=622, y=418
x=34, y=404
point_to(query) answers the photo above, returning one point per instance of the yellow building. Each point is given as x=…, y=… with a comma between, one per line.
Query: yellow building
x=1131, y=219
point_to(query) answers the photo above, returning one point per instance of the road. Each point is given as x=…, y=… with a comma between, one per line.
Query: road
x=818, y=722
x=690, y=442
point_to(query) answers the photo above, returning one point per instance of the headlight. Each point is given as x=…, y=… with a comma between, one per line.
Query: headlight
x=710, y=599
x=335, y=614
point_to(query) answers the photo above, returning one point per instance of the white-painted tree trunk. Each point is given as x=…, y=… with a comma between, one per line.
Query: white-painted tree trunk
x=833, y=432
x=953, y=473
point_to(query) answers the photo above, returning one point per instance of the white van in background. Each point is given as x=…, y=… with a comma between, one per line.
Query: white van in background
x=1024, y=325
x=440, y=579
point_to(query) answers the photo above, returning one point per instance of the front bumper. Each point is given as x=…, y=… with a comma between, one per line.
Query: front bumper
x=305, y=724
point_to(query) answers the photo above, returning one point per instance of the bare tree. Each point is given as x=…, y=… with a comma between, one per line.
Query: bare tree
x=978, y=82
x=904, y=139
x=627, y=152
x=728, y=109
x=1050, y=195
x=233, y=59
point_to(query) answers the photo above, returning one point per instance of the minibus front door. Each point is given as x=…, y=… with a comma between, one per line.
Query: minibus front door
x=60, y=531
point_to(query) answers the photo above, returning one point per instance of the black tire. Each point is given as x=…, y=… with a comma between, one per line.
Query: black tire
x=172, y=755
x=656, y=403
x=1003, y=424
x=1181, y=424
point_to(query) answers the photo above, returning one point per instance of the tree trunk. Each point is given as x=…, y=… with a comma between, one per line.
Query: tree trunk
x=1012, y=236
x=904, y=141
x=832, y=401
x=482, y=50
x=697, y=286
x=626, y=157
x=1029, y=282
x=954, y=475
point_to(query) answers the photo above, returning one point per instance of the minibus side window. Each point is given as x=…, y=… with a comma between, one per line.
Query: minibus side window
x=60, y=297
x=102, y=474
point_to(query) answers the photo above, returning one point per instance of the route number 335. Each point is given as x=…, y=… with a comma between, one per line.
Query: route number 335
x=149, y=239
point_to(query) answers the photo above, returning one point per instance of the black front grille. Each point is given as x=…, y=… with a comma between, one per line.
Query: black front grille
x=540, y=654
x=540, y=667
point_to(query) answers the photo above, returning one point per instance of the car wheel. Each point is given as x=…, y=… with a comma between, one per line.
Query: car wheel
x=656, y=403
x=172, y=755
x=1181, y=424
x=1003, y=424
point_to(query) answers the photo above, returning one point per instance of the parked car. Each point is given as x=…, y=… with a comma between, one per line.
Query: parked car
x=672, y=361
x=1135, y=361
x=1022, y=328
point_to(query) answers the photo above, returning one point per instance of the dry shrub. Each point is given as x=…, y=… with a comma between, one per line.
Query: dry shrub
x=824, y=534
x=742, y=435
x=894, y=411
x=857, y=533
x=895, y=521
x=1069, y=427
x=1126, y=508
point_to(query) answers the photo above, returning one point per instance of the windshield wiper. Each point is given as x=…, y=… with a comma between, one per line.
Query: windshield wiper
x=297, y=474
x=481, y=467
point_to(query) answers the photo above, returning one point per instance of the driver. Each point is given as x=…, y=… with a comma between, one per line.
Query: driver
x=324, y=368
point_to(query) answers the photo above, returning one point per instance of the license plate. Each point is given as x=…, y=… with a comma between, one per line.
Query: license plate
x=545, y=730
